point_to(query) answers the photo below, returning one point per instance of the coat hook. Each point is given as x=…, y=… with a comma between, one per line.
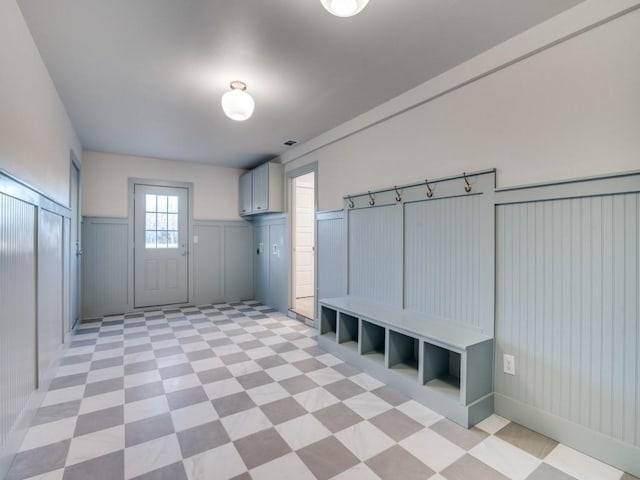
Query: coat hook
x=372, y=202
x=351, y=204
x=429, y=191
x=467, y=187
x=398, y=194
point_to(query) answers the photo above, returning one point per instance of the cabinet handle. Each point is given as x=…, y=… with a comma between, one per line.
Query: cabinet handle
x=259, y=208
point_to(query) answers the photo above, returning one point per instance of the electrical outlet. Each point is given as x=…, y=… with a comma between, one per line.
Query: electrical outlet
x=509, y=364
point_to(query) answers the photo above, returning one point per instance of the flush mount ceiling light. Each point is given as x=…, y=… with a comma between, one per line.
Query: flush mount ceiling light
x=344, y=8
x=237, y=103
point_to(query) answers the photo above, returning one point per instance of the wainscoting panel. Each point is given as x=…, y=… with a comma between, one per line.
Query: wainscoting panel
x=50, y=289
x=567, y=307
x=17, y=310
x=331, y=254
x=375, y=254
x=207, y=262
x=105, y=266
x=443, y=268
x=238, y=262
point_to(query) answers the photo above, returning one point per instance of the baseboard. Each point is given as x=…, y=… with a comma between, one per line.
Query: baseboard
x=606, y=449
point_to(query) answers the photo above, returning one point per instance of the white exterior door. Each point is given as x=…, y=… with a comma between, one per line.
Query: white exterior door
x=304, y=250
x=161, y=245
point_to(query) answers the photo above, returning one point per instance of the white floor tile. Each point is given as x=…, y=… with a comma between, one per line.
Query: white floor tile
x=420, y=413
x=142, y=378
x=225, y=461
x=100, y=402
x=181, y=383
x=505, y=458
x=245, y=423
x=194, y=415
x=366, y=381
x=95, y=444
x=315, y=399
x=580, y=465
x=431, y=449
x=105, y=374
x=151, y=455
x=492, y=424
x=302, y=431
x=282, y=372
x=367, y=405
x=243, y=368
x=325, y=376
x=172, y=360
x=359, y=472
x=63, y=395
x=53, y=475
x=267, y=393
x=364, y=440
x=295, y=355
x=47, y=433
x=149, y=407
x=222, y=388
x=206, y=364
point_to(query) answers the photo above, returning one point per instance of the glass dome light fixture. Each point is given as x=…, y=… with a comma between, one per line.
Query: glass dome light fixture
x=237, y=104
x=344, y=8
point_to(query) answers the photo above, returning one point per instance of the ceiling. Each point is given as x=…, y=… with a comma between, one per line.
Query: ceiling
x=145, y=77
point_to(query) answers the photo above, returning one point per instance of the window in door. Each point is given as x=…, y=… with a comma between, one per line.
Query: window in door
x=161, y=221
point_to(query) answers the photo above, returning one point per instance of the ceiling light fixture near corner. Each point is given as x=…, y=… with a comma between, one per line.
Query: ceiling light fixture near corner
x=237, y=103
x=344, y=8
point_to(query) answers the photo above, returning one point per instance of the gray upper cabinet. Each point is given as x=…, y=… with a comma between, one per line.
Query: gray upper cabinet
x=262, y=190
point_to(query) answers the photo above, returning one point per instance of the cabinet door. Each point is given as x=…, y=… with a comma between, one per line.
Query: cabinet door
x=261, y=188
x=261, y=266
x=245, y=194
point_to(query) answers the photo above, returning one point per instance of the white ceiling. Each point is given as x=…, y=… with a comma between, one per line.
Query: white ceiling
x=145, y=77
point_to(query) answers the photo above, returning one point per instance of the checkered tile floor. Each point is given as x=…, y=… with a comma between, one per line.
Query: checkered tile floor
x=240, y=391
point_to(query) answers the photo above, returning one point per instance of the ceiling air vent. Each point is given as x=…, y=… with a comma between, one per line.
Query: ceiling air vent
x=290, y=143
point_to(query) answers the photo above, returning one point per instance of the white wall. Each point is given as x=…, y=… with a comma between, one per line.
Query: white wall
x=105, y=183
x=36, y=135
x=569, y=111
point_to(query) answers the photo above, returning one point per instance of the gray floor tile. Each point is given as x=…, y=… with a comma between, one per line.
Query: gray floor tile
x=271, y=361
x=253, y=380
x=232, y=358
x=100, y=420
x=250, y=345
x=56, y=412
x=105, y=386
x=396, y=424
x=314, y=351
x=202, y=438
x=547, y=472
x=344, y=389
x=174, y=471
x=628, y=476
x=309, y=365
x=466, y=439
x=107, y=363
x=200, y=355
x=107, y=467
x=327, y=458
x=39, y=460
x=390, y=395
x=283, y=410
x=75, y=359
x=147, y=429
x=345, y=369
x=238, y=402
x=103, y=347
x=176, y=371
x=528, y=440
x=468, y=467
x=145, y=347
x=219, y=342
x=396, y=463
x=261, y=447
x=142, y=392
x=295, y=385
x=167, y=351
x=283, y=347
x=184, y=398
x=242, y=476
x=68, y=381
x=337, y=417
x=214, y=375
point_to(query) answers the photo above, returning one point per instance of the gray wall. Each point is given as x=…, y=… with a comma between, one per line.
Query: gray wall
x=222, y=267
x=34, y=313
x=567, y=308
x=331, y=254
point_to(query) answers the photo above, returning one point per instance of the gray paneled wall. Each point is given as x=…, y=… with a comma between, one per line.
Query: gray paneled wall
x=221, y=262
x=270, y=259
x=331, y=254
x=105, y=266
x=375, y=254
x=567, y=308
x=50, y=289
x=443, y=261
x=17, y=310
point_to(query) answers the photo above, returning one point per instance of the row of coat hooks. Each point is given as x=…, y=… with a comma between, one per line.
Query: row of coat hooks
x=429, y=191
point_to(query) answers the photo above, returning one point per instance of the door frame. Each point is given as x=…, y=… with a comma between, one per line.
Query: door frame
x=132, y=182
x=74, y=164
x=291, y=175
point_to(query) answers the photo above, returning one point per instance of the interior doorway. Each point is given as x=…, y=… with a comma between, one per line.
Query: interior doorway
x=303, y=251
x=76, y=245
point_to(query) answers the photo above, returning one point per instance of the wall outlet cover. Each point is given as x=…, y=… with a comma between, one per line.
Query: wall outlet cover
x=509, y=364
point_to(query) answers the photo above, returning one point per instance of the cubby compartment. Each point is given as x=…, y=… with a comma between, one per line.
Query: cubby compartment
x=372, y=342
x=348, y=330
x=442, y=370
x=328, y=323
x=404, y=354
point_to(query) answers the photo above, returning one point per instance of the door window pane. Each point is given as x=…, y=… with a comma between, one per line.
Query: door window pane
x=161, y=228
